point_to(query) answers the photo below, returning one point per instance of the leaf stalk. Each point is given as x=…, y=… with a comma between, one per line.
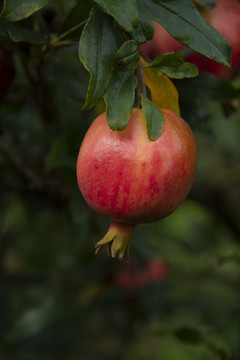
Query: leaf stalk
x=140, y=84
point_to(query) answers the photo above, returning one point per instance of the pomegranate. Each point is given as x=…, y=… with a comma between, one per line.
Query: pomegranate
x=7, y=72
x=224, y=17
x=134, y=277
x=131, y=179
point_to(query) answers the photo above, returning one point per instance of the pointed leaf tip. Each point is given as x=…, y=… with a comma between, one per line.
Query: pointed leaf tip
x=154, y=118
x=97, y=55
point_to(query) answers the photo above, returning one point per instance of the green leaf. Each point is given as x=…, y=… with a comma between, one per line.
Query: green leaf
x=206, y=3
x=128, y=48
x=210, y=337
x=59, y=157
x=97, y=52
x=154, y=118
x=138, y=35
x=73, y=23
x=184, y=23
x=145, y=29
x=120, y=97
x=14, y=10
x=125, y=12
x=173, y=66
x=128, y=55
x=17, y=34
x=68, y=80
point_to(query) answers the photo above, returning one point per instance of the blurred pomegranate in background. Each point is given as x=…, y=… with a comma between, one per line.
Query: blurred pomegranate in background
x=134, y=277
x=224, y=17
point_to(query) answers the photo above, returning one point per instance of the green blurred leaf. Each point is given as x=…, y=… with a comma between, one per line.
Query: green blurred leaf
x=14, y=10
x=230, y=258
x=73, y=23
x=18, y=34
x=189, y=335
x=184, y=22
x=154, y=118
x=97, y=53
x=120, y=97
x=34, y=320
x=125, y=12
x=25, y=35
x=188, y=338
x=173, y=66
x=69, y=81
x=59, y=157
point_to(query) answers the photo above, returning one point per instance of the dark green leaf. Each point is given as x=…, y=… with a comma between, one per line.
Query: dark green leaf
x=189, y=335
x=210, y=337
x=34, y=320
x=120, y=97
x=26, y=35
x=154, y=118
x=124, y=12
x=97, y=52
x=14, y=10
x=75, y=20
x=184, y=22
x=138, y=35
x=173, y=66
x=207, y=3
x=69, y=81
x=128, y=48
x=128, y=55
x=145, y=29
x=207, y=87
x=18, y=34
x=58, y=156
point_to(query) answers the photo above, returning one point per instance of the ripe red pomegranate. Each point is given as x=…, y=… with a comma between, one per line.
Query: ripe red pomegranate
x=7, y=72
x=131, y=179
x=224, y=17
x=133, y=277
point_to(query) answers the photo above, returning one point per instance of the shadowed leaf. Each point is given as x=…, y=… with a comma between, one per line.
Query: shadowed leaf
x=120, y=97
x=97, y=53
x=154, y=118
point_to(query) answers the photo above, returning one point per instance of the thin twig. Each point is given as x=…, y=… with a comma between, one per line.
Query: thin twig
x=62, y=36
x=141, y=83
x=145, y=57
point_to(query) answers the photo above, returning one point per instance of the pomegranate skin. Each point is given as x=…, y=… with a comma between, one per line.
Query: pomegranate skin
x=131, y=179
x=224, y=17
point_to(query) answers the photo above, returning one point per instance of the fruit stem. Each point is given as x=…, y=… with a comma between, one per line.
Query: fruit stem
x=118, y=239
x=140, y=84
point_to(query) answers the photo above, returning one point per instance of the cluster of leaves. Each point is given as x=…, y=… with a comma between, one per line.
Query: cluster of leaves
x=112, y=57
x=109, y=50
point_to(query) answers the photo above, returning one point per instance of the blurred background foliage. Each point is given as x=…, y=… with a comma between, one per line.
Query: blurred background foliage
x=60, y=301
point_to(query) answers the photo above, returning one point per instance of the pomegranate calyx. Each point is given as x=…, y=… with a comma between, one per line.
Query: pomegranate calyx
x=118, y=240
